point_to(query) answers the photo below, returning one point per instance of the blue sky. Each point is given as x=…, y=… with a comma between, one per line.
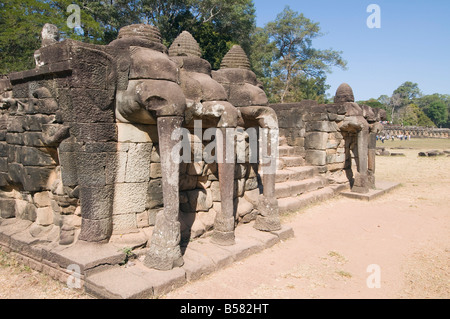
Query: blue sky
x=413, y=43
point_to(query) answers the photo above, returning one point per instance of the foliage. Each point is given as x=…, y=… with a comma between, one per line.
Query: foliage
x=408, y=91
x=437, y=112
x=408, y=106
x=21, y=23
x=412, y=115
x=426, y=101
x=286, y=62
x=216, y=24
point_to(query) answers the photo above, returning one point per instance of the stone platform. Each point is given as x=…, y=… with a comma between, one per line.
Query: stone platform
x=201, y=258
x=104, y=272
x=381, y=188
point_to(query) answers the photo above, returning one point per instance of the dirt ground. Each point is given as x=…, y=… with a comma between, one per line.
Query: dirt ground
x=341, y=246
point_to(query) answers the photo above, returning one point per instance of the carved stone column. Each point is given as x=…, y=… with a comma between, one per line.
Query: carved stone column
x=165, y=252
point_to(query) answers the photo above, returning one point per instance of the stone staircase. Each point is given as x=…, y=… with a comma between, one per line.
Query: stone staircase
x=298, y=185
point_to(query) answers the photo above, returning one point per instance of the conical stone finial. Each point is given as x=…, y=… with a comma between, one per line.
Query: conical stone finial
x=145, y=31
x=236, y=58
x=185, y=45
x=344, y=93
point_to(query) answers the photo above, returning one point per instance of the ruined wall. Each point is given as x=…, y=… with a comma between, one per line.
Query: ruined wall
x=61, y=139
x=70, y=167
x=81, y=147
x=313, y=132
x=138, y=193
x=415, y=131
x=329, y=136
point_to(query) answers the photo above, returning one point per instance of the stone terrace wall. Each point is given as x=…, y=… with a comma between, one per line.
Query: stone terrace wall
x=313, y=132
x=416, y=131
x=138, y=192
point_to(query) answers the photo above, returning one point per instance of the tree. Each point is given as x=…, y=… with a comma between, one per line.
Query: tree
x=412, y=115
x=404, y=95
x=288, y=40
x=408, y=91
x=216, y=25
x=426, y=101
x=395, y=103
x=21, y=22
x=437, y=112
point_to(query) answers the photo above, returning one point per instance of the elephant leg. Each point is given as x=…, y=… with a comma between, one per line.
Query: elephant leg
x=269, y=218
x=361, y=178
x=225, y=220
x=165, y=252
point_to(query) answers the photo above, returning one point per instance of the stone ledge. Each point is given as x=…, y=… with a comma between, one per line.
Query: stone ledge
x=381, y=188
x=201, y=258
x=102, y=274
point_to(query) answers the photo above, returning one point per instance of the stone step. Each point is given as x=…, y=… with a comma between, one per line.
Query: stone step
x=292, y=161
x=282, y=140
x=201, y=258
x=294, y=188
x=297, y=203
x=296, y=173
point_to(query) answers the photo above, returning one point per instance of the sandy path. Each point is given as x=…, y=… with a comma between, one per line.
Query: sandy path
x=405, y=233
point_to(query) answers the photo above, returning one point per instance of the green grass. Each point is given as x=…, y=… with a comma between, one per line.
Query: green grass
x=418, y=143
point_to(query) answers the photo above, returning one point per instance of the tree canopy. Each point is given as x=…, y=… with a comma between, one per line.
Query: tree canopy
x=283, y=53
x=217, y=25
x=408, y=106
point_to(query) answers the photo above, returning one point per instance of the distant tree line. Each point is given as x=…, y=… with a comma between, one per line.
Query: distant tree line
x=281, y=53
x=408, y=106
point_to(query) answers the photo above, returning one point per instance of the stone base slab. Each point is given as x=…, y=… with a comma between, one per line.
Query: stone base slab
x=381, y=188
x=104, y=272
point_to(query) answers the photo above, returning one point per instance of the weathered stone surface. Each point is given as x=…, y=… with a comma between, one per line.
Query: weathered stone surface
x=188, y=182
x=124, y=222
x=185, y=45
x=95, y=230
x=97, y=202
x=160, y=68
x=200, y=200
x=236, y=58
x=316, y=140
x=136, y=133
x=344, y=94
x=164, y=252
x=321, y=126
x=154, y=194
x=132, y=197
x=243, y=207
x=44, y=216
x=195, y=169
x=316, y=157
x=91, y=169
x=138, y=163
x=155, y=170
x=7, y=208
x=25, y=210
x=95, y=132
